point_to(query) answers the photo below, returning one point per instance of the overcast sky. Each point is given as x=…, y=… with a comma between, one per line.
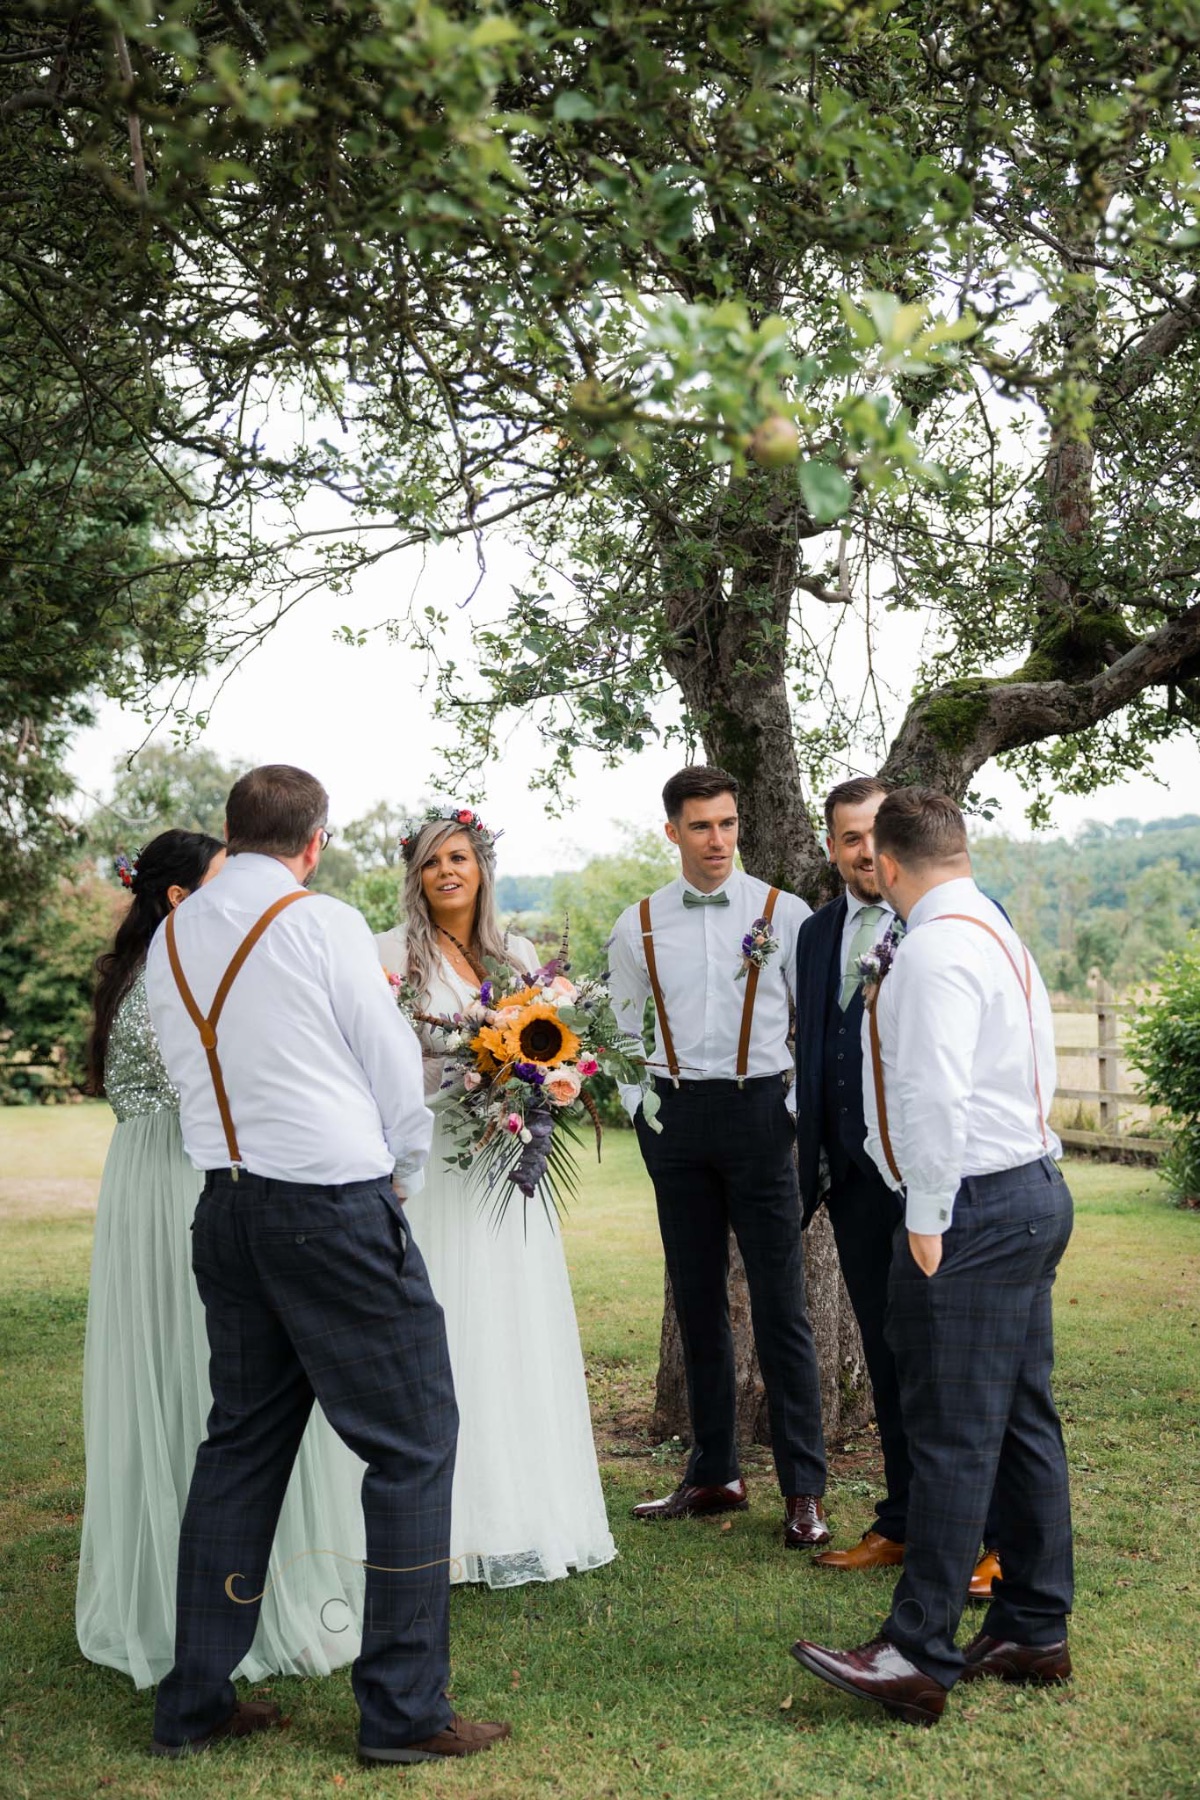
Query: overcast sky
x=358, y=718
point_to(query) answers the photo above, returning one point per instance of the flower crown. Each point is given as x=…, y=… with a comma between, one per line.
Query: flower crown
x=459, y=815
x=125, y=869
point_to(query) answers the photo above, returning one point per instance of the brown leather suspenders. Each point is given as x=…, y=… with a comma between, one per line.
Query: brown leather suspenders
x=743, y=1054
x=1026, y=985
x=207, y=1026
x=660, y=1007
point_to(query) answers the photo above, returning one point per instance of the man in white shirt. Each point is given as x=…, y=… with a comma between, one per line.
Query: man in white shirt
x=863, y=1208
x=959, y=1072
x=716, y=949
x=301, y=1096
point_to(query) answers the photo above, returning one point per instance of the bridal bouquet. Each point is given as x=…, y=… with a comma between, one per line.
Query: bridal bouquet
x=518, y=1063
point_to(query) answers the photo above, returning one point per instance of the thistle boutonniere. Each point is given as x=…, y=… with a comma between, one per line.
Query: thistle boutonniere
x=758, y=947
x=874, y=963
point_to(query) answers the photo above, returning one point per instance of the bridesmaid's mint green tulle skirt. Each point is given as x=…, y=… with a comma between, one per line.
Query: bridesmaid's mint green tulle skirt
x=145, y=1403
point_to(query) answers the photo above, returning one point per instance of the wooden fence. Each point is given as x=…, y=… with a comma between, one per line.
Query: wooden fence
x=1108, y=1096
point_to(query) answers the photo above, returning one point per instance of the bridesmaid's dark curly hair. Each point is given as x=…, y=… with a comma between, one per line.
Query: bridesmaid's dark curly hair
x=173, y=859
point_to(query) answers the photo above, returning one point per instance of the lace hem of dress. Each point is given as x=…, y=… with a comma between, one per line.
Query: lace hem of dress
x=519, y=1568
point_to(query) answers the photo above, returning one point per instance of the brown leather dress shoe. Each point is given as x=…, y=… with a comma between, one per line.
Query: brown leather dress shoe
x=877, y=1671
x=247, y=1717
x=987, y=1570
x=1033, y=1665
x=461, y=1737
x=693, y=1502
x=872, y=1551
x=804, y=1526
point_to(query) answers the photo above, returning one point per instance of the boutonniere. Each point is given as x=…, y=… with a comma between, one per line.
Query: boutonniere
x=874, y=963
x=758, y=947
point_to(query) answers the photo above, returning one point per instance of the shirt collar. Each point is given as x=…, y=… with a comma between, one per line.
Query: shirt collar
x=263, y=871
x=854, y=905
x=945, y=897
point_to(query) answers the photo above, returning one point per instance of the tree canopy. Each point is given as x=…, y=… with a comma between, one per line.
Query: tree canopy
x=767, y=325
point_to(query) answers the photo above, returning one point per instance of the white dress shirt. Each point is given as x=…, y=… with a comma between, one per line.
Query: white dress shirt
x=698, y=953
x=322, y=1072
x=958, y=1066
x=854, y=907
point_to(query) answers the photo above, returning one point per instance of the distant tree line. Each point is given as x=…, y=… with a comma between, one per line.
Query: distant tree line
x=1118, y=899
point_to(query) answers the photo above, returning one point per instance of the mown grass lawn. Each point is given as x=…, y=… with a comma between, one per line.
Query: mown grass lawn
x=666, y=1674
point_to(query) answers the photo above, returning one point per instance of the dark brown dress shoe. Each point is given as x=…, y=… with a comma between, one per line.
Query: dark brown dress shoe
x=693, y=1502
x=872, y=1551
x=804, y=1526
x=1033, y=1665
x=247, y=1717
x=987, y=1570
x=461, y=1737
x=877, y=1671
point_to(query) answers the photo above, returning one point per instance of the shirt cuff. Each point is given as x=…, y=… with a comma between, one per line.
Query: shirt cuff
x=929, y=1214
x=631, y=1097
x=411, y=1180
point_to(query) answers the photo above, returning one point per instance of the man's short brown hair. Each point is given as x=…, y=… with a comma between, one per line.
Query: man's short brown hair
x=851, y=793
x=699, y=782
x=918, y=825
x=274, y=811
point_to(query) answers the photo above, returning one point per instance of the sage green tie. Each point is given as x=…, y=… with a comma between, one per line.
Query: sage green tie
x=865, y=933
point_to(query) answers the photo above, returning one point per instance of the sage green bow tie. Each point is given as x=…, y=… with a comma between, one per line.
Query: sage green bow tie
x=719, y=899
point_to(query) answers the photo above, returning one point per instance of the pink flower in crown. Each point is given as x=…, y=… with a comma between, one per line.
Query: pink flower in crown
x=562, y=1087
x=587, y=1065
x=465, y=816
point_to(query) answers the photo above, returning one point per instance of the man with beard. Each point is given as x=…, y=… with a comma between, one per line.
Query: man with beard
x=863, y=1210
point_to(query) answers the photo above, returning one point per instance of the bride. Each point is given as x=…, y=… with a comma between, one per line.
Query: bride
x=527, y=1499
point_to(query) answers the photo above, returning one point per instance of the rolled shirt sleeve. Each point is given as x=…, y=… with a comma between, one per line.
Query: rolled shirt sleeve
x=629, y=990
x=384, y=1044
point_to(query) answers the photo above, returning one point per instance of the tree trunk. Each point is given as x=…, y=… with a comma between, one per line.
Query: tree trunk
x=845, y=1394
x=729, y=627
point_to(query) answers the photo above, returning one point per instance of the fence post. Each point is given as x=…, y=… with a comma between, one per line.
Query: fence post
x=1108, y=1058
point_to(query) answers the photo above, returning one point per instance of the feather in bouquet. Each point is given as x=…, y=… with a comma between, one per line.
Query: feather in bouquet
x=515, y=1089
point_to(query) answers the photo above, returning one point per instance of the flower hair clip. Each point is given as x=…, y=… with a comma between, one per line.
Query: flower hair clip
x=125, y=869
x=458, y=815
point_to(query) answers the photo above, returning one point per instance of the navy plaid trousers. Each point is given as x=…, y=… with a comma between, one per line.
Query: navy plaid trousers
x=974, y=1349
x=317, y=1291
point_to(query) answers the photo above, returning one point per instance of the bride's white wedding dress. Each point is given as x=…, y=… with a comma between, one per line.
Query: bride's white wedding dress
x=527, y=1499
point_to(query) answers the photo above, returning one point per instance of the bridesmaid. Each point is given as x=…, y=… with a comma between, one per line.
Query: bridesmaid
x=145, y=1361
x=528, y=1504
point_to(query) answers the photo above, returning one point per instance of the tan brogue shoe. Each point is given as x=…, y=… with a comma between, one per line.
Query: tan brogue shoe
x=872, y=1551
x=987, y=1570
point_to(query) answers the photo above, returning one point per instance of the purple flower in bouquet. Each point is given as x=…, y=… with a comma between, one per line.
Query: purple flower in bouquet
x=529, y=1072
x=485, y=993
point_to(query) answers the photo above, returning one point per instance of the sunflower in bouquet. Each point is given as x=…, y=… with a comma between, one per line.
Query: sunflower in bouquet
x=515, y=1089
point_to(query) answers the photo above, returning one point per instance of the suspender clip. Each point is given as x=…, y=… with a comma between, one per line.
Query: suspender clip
x=233, y=1171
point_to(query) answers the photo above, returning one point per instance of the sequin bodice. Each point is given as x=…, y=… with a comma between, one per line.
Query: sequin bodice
x=134, y=1077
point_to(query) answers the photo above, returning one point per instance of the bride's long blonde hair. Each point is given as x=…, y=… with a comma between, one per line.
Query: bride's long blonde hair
x=488, y=939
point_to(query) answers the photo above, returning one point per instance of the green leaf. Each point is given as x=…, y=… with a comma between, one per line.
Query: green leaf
x=572, y=105
x=826, y=491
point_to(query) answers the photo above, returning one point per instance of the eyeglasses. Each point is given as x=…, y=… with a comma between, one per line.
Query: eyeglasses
x=326, y=834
